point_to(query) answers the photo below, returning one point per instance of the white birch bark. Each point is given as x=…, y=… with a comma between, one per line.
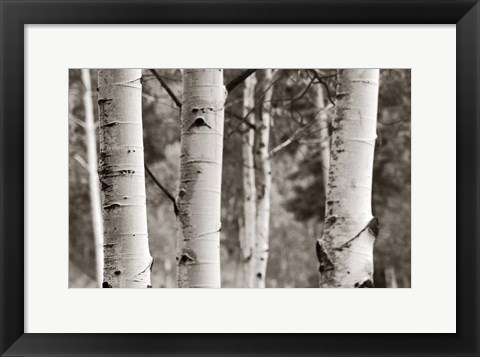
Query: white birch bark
x=93, y=180
x=248, y=180
x=198, y=241
x=345, y=251
x=324, y=136
x=127, y=261
x=263, y=90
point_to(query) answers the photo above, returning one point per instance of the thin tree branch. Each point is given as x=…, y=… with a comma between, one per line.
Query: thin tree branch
x=281, y=146
x=167, y=88
x=81, y=161
x=287, y=142
x=164, y=190
x=153, y=99
x=298, y=134
x=238, y=80
x=242, y=119
x=299, y=95
x=320, y=80
x=76, y=120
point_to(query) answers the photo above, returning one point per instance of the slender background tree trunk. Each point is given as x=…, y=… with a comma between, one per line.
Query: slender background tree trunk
x=127, y=259
x=391, y=278
x=199, y=198
x=263, y=90
x=249, y=189
x=93, y=180
x=324, y=135
x=345, y=251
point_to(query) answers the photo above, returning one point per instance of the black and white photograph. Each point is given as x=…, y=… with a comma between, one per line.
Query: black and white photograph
x=239, y=178
x=309, y=168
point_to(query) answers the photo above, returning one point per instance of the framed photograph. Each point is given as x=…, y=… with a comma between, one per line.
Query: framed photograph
x=276, y=156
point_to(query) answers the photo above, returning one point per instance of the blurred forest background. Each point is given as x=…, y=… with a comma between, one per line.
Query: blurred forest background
x=297, y=196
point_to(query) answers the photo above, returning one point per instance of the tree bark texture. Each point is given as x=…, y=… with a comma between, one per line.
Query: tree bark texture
x=199, y=197
x=248, y=180
x=127, y=261
x=345, y=251
x=324, y=135
x=263, y=96
x=93, y=180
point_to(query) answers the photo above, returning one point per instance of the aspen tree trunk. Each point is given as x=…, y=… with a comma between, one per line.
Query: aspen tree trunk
x=324, y=136
x=243, y=282
x=248, y=179
x=198, y=242
x=93, y=180
x=263, y=90
x=127, y=262
x=345, y=251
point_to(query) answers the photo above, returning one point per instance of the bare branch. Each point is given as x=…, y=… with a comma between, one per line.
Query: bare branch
x=287, y=142
x=238, y=80
x=321, y=81
x=81, y=161
x=242, y=119
x=76, y=120
x=281, y=146
x=299, y=134
x=167, y=88
x=164, y=190
x=153, y=99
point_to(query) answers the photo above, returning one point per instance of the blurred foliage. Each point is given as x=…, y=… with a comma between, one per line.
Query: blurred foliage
x=297, y=195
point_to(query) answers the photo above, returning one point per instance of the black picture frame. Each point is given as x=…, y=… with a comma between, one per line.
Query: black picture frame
x=15, y=14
